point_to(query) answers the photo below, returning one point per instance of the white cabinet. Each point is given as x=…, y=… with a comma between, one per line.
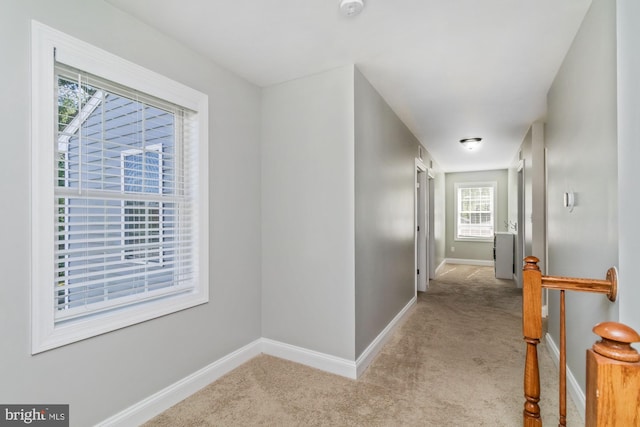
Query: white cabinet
x=503, y=255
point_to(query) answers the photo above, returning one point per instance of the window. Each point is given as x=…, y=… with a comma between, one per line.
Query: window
x=475, y=211
x=119, y=192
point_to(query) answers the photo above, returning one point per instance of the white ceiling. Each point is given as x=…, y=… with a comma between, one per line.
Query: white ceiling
x=449, y=68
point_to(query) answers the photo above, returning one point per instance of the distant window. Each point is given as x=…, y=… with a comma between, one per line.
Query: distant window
x=127, y=148
x=475, y=211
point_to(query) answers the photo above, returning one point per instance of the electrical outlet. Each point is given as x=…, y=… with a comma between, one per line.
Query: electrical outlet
x=453, y=248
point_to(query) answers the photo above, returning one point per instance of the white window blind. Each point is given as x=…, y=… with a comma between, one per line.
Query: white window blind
x=475, y=211
x=124, y=197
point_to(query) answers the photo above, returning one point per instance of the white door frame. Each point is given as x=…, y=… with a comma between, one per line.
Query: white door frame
x=431, y=237
x=421, y=246
x=519, y=249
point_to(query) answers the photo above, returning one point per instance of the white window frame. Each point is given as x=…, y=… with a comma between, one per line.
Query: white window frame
x=47, y=46
x=461, y=185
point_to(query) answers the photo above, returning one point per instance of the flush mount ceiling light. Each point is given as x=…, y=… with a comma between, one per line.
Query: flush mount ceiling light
x=351, y=7
x=471, y=143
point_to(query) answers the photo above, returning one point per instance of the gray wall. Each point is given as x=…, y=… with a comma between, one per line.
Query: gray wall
x=308, y=212
x=538, y=195
x=512, y=202
x=582, y=156
x=103, y=375
x=628, y=37
x=532, y=155
x=440, y=216
x=466, y=249
x=337, y=213
x=385, y=152
x=512, y=217
x=526, y=157
x=526, y=154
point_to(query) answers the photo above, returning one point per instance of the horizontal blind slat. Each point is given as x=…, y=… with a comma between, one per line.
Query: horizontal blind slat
x=103, y=282
x=127, y=300
x=71, y=255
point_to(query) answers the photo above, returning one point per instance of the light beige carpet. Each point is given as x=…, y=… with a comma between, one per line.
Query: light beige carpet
x=457, y=360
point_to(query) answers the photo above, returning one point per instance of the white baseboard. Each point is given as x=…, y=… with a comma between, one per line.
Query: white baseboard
x=158, y=402
x=325, y=362
x=367, y=356
x=573, y=387
x=169, y=396
x=482, y=262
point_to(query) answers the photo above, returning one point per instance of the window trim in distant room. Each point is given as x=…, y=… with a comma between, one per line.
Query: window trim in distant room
x=473, y=211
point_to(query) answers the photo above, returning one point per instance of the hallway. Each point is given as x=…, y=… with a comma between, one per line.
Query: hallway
x=457, y=360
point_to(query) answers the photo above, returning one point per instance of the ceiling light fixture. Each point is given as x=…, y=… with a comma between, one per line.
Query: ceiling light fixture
x=471, y=143
x=351, y=7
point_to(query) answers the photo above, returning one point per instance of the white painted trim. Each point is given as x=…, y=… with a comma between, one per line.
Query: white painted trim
x=324, y=362
x=46, y=334
x=576, y=393
x=440, y=267
x=367, y=356
x=482, y=262
x=420, y=167
x=456, y=206
x=169, y=396
x=158, y=402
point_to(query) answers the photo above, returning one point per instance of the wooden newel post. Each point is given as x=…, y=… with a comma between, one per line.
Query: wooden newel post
x=532, y=331
x=613, y=377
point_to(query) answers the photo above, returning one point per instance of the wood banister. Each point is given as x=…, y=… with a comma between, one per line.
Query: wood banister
x=609, y=286
x=532, y=330
x=616, y=341
x=613, y=377
x=533, y=283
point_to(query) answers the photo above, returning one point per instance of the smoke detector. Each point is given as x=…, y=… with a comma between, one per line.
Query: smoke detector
x=351, y=7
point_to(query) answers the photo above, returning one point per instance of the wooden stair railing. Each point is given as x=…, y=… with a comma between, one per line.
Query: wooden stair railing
x=533, y=282
x=613, y=377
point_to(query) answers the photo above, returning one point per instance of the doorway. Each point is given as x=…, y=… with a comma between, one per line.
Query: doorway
x=431, y=238
x=519, y=249
x=422, y=196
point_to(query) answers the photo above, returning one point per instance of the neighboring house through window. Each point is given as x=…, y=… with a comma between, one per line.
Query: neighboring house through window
x=129, y=241
x=142, y=221
x=475, y=211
